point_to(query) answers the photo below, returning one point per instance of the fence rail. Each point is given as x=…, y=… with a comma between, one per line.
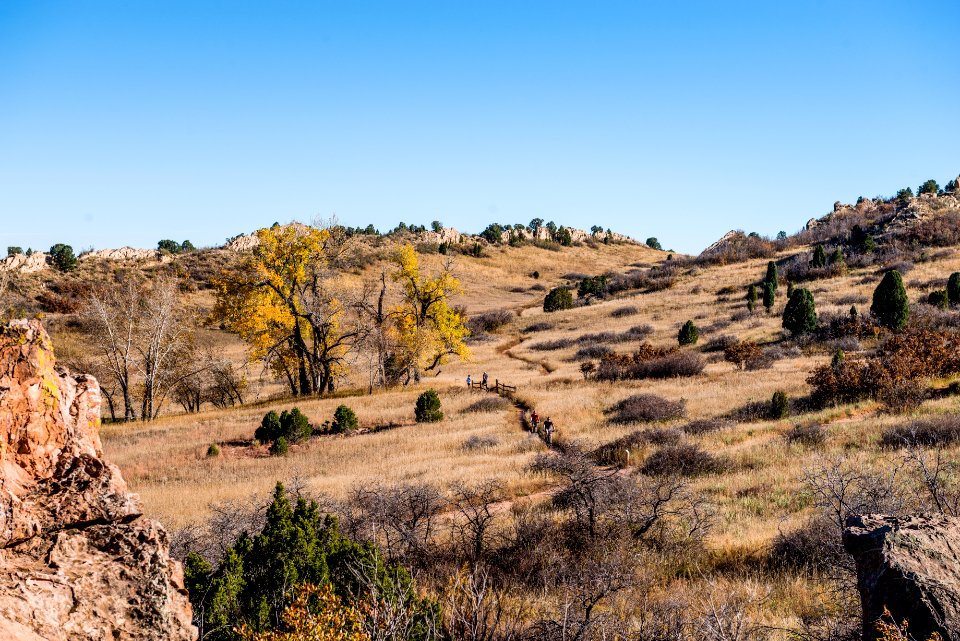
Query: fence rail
x=500, y=388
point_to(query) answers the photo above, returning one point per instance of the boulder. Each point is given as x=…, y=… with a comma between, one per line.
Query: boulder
x=911, y=567
x=77, y=561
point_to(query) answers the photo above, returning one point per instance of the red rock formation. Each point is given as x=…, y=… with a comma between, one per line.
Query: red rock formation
x=76, y=560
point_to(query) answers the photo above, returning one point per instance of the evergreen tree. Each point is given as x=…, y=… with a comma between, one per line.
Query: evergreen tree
x=890, y=304
x=63, y=258
x=558, y=298
x=751, y=297
x=928, y=187
x=427, y=408
x=800, y=313
x=769, y=296
x=689, y=334
x=653, y=243
x=836, y=258
x=939, y=298
x=772, y=276
x=789, y=290
x=344, y=419
x=953, y=288
x=779, y=405
x=819, y=257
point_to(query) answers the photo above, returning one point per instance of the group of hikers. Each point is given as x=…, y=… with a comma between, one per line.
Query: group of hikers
x=483, y=382
x=533, y=422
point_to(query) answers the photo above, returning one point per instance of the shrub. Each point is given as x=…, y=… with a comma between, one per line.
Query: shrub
x=615, y=452
x=213, y=451
x=800, y=313
x=720, y=343
x=688, y=334
x=684, y=459
x=535, y=274
x=489, y=404
x=592, y=352
x=779, y=405
x=279, y=447
x=538, y=327
x=806, y=435
x=939, y=298
x=557, y=299
x=427, y=408
x=475, y=443
x=294, y=425
x=626, y=310
x=927, y=432
x=742, y=352
x=63, y=258
x=489, y=322
x=592, y=286
x=649, y=362
x=269, y=429
x=704, y=426
x=638, y=332
x=953, y=288
x=344, y=420
x=890, y=305
x=647, y=407
x=550, y=346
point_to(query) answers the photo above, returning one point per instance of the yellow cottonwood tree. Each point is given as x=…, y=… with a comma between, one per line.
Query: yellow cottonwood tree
x=426, y=328
x=279, y=302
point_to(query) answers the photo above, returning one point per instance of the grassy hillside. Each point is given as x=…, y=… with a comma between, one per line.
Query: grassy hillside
x=757, y=483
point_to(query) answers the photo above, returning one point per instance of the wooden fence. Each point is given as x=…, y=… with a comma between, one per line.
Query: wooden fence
x=500, y=388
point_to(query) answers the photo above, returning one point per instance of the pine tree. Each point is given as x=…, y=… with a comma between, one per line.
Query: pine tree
x=836, y=258
x=779, y=405
x=751, y=297
x=769, y=296
x=427, y=408
x=689, y=334
x=772, y=276
x=819, y=257
x=953, y=288
x=800, y=313
x=890, y=304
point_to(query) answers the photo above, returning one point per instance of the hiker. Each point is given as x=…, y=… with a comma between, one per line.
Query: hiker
x=548, y=431
x=469, y=382
x=484, y=384
x=534, y=421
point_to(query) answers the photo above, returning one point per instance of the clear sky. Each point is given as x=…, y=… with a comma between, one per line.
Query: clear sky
x=125, y=122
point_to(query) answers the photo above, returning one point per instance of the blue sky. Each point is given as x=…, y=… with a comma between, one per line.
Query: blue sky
x=125, y=122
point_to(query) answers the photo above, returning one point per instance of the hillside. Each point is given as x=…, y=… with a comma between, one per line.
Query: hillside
x=672, y=463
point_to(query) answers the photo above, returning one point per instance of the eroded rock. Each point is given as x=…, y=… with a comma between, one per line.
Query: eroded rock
x=77, y=561
x=910, y=566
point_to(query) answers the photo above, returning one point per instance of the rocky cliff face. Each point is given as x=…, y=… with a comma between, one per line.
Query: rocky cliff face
x=911, y=566
x=76, y=560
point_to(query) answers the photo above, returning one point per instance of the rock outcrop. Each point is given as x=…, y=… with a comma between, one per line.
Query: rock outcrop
x=124, y=253
x=77, y=561
x=35, y=262
x=910, y=566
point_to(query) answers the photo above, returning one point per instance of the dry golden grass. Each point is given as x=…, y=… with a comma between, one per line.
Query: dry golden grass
x=761, y=495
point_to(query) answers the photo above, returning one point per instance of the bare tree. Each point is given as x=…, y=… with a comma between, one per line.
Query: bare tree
x=142, y=334
x=476, y=610
x=111, y=316
x=401, y=518
x=474, y=507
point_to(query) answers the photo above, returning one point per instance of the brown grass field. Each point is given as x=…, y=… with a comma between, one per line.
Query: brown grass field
x=760, y=493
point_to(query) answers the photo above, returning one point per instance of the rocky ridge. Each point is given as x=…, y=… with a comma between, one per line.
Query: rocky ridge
x=77, y=561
